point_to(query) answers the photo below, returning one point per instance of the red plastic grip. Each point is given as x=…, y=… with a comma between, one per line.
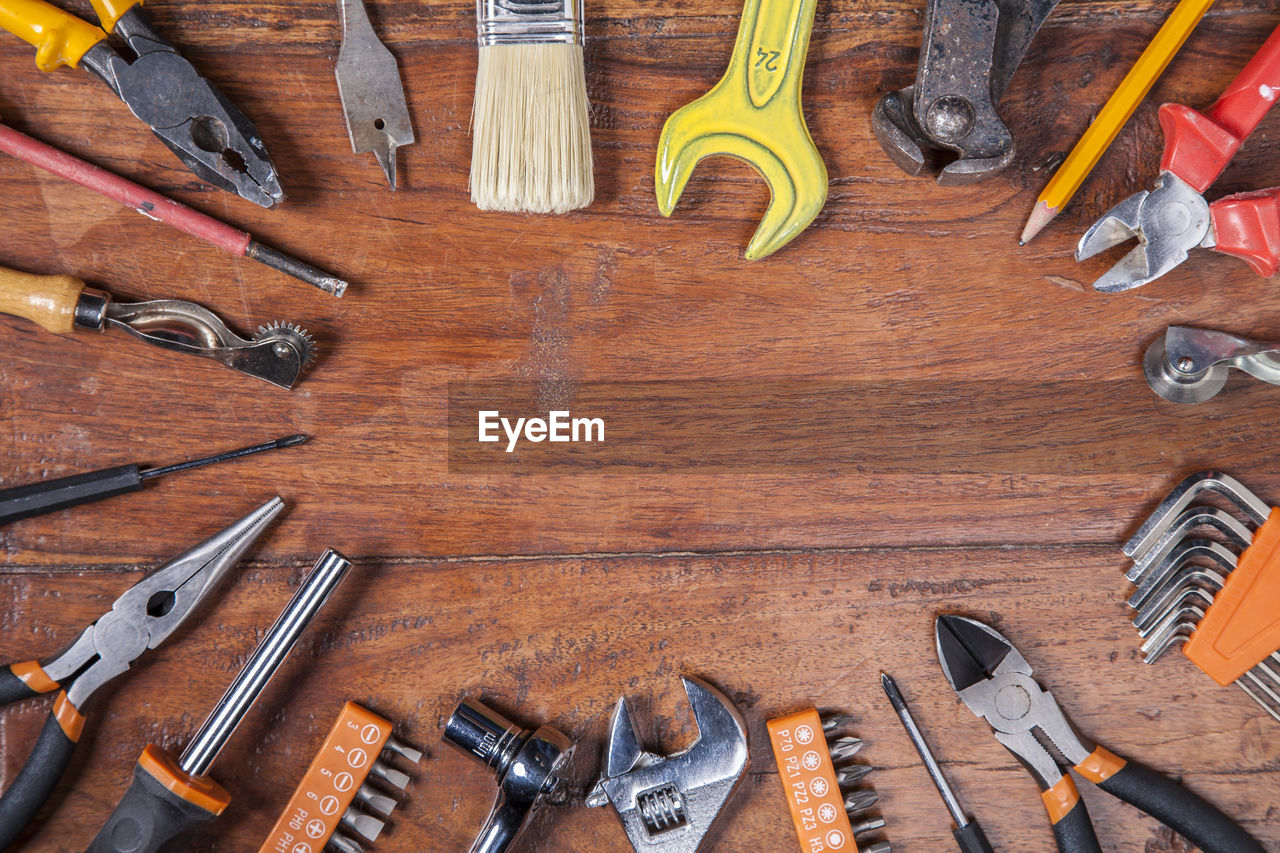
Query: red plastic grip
x=1198, y=146
x=1247, y=225
x=150, y=204
x=1253, y=92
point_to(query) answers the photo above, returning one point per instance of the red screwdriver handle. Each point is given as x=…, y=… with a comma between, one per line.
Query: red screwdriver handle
x=1247, y=225
x=1198, y=146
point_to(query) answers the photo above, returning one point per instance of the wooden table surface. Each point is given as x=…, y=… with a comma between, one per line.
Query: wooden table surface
x=552, y=589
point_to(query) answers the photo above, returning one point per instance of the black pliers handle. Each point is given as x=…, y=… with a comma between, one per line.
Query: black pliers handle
x=52, y=751
x=1183, y=811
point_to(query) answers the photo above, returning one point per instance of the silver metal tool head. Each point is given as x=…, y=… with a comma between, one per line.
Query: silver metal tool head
x=994, y=681
x=1166, y=515
x=1189, y=365
x=387, y=774
x=1196, y=589
x=669, y=803
x=1168, y=222
x=529, y=21
x=1178, y=561
x=968, y=54
x=1175, y=628
x=365, y=826
x=372, y=93
x=909, y=146
x=216, y=141
x=375, y=801
x=150, y=611
x=278, y=353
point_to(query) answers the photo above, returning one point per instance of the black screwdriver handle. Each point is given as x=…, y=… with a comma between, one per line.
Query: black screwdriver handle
x=1074, y=831
x=971, y=839
x=38, y=777
x=1193, y=817
x=50, y=495
x=157, y=816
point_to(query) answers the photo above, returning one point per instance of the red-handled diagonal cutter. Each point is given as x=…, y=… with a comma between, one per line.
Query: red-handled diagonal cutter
x=1174, y=218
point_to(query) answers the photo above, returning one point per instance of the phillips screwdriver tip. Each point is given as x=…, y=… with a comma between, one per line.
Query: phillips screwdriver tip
x=891, y=690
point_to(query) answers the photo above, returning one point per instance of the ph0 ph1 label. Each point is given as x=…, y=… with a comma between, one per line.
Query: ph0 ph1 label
x=558, y=426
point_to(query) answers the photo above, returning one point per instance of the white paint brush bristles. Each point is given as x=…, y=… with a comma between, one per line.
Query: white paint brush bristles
x=531, y=132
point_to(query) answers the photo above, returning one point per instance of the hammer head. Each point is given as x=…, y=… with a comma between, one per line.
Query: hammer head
x=669, y=803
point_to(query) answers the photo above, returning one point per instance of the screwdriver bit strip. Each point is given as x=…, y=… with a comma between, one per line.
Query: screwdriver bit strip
x=822, y=806
x=335, y=804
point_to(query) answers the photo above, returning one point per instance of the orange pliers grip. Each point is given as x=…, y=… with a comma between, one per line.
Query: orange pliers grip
x=60, y=38
x=1242, y=626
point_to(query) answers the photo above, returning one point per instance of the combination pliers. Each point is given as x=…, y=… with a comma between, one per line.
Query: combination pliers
x=994, y=681
x=146, y=615
x=210, y=136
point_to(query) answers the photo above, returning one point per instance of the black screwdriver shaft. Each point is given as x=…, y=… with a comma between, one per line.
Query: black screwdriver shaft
x=968, y=833
x=287, y=441
x=34, y=499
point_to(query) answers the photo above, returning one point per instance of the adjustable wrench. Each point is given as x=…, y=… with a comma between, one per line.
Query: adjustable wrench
x=668, y=804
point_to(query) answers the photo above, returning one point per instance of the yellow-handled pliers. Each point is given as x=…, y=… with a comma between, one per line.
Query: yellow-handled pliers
x=213, y=138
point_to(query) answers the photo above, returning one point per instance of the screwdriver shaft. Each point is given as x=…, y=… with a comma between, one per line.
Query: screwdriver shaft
x=287, y=441
x=917, y=740
x=328, y=572
x=161, y=208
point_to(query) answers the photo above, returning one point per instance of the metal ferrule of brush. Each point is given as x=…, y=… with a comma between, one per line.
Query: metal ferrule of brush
x=529, y=21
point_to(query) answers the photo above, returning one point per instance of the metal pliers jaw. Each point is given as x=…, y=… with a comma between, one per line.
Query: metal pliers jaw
x=994, y=681
x=669, y=803
x=1168, y=223
x=205, y=130
x=149, y=612
x=969, y=53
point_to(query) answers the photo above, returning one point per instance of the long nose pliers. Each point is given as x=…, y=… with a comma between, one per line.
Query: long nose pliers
x=142, y=618
x=995, y=682
x=210, y=136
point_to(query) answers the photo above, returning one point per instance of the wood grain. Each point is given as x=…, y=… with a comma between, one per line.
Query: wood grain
x=554, y=592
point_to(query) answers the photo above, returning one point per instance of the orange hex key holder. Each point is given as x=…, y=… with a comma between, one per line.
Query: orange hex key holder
x=1217, y=600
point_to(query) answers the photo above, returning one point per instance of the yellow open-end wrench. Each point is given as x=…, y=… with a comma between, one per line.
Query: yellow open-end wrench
x=754, y=114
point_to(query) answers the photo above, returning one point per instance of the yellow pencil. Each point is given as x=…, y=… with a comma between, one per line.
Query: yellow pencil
x=1132, y=89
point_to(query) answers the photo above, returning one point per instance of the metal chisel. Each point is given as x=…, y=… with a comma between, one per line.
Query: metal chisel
x=371, y=91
